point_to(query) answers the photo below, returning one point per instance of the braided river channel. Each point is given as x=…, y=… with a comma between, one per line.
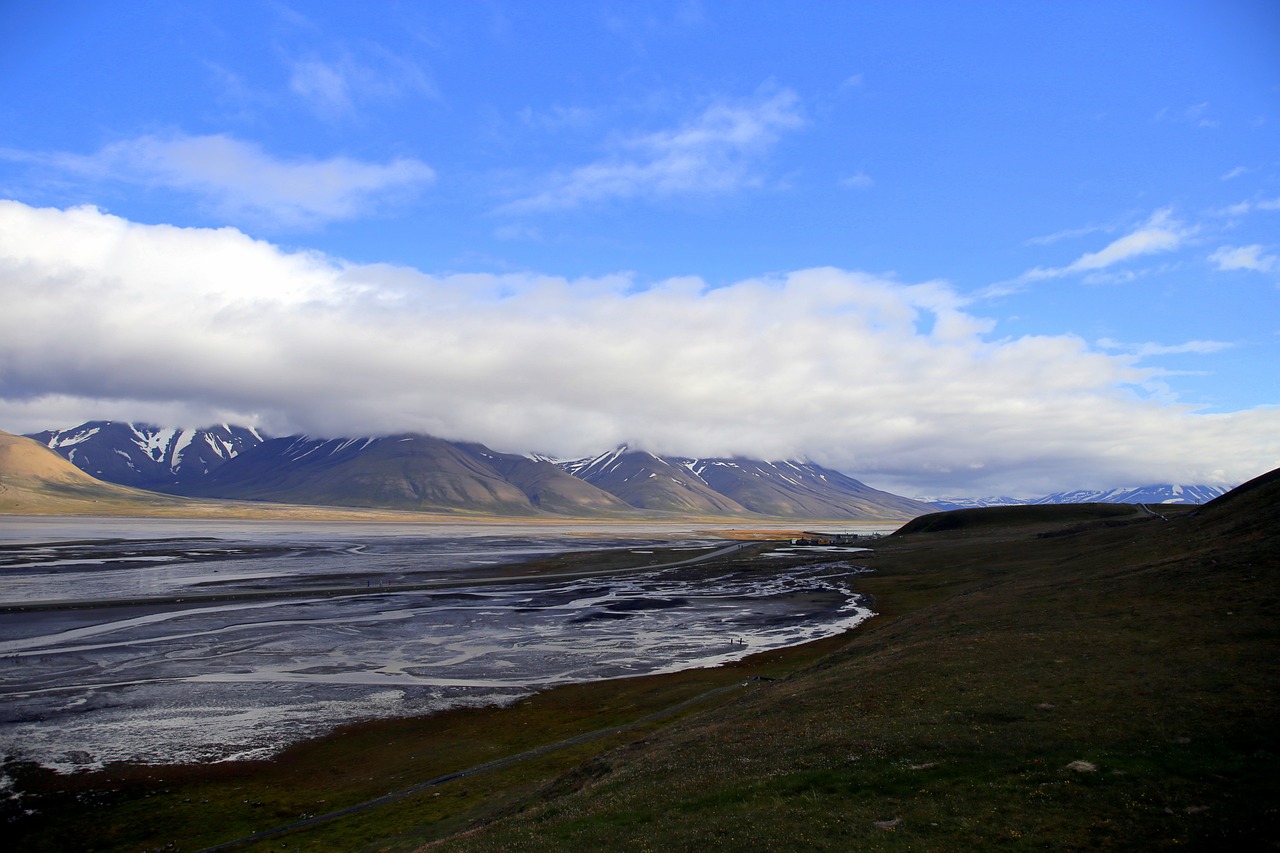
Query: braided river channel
x=176, y=641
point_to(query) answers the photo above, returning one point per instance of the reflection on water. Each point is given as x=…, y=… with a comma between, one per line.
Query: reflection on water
x=185, y=681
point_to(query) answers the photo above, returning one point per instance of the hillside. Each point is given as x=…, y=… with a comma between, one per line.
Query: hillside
x=739, y=486
x=405, y=472
x=145, y=456
x=649, y=482
x=34, y=480
x=547, y=486
x=1034, y=681
x=799, y=490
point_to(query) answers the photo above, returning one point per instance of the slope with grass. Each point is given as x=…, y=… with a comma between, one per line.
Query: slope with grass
x=1034, y=681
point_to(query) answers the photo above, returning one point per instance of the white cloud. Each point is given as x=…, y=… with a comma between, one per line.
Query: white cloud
x=1243, y=258
x=323, y=85
x=336, y=89
x=716, y=152
x=1065, y=234
x=1244, y=208
x=1161, y=233
x=241, y=181
x=1145, y=350
x=858, y=181
x=897, y=383
x=559, y=117
x=1196, y=114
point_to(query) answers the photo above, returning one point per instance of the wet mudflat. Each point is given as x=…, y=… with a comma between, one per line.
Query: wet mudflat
x=407, y=625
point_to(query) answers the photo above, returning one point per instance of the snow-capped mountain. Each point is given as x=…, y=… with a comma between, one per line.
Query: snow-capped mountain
x=547, y=486
x=651, y=482
x=1158, y=494
x=146, y=456
x=427, y=473
x=775, y=489
x=423, y=472
x=792, y=489
x=971, y=503
x=405, y=472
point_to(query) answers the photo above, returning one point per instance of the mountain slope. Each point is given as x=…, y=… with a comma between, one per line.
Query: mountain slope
x=650, y=482
x=740, y=486
x=397, y=472
x=35, y=480
x=146, y=456
x=547, y=486
x=799, y=490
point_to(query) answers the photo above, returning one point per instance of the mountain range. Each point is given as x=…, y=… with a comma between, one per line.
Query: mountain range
x=425, y=473
x=422, y=472
x=1154, y=494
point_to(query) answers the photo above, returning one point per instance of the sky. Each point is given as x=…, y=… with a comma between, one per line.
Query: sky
x=949, y=249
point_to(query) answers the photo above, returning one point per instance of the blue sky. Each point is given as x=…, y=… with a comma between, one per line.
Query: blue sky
x=947, y=248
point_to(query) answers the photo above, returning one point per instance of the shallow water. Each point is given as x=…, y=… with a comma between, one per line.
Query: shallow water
x=178, y=681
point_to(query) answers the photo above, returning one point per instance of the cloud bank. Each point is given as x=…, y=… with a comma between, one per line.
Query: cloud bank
x=893, y=382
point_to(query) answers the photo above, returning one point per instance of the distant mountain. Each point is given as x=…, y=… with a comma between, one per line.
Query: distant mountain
x=396, y=472
x=649, y=482
x=951, y=503
x=34, y=480
x=424, y=473
x=1158, y=494
x=547, y=486
x=799, y=490
x=149, y=457
x=739, y=486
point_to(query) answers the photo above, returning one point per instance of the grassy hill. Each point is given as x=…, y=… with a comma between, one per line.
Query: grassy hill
x=1115, y=686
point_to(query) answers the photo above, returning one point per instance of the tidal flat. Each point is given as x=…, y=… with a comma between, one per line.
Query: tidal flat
x=164, y=642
